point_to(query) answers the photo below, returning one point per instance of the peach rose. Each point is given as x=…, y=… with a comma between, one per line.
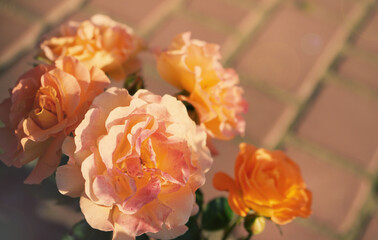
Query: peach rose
x=46, y=104
x=267, y=182
x=99, y=42
x=136, y=163
x=193, y=65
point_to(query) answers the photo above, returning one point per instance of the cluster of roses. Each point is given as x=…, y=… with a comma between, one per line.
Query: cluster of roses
x=137, y=161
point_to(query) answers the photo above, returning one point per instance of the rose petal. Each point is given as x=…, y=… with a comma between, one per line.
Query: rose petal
x=97, y=216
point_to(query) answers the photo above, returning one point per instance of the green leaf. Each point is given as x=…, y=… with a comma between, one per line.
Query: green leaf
x=217, y=214
x=199, y=200
x=133, y=83
x=142, y=237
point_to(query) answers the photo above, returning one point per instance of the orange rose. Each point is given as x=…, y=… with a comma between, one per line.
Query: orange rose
x=193, y=65
x=267, y=182
x=136, y=162
x=99, y=42
x=46, y=104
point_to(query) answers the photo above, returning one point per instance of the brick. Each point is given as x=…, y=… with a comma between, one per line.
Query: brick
x=284, y=52
x=9, y=78
x=15, y=28
x=219, y=9
x=263, y=117
x=337, y=194
x=371, y=232
x=338, y=9
x=343, y=122
x=290, y=231
x=223, y=162
x=133, y=12
x=163, y=36
x=368, y=38
x=360, y=70
x=41, y=8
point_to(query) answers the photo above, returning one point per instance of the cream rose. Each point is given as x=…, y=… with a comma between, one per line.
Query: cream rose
x=136, y=163
x=99, y=42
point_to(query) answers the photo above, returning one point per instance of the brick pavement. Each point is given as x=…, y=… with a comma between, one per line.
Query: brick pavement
x=309, y=69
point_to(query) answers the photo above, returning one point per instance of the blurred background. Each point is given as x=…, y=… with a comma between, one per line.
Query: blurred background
x=309, y=69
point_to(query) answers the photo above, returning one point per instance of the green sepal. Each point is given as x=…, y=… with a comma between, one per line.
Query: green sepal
x=217, y=214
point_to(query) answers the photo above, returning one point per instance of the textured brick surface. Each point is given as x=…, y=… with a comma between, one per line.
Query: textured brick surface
x=336, y=9
x=344, y=122
x=264, y=113
x=330, y=186
x=178, y=24
x=130, y=11
x=14, y=29
x=360, y=70
x=283, y=54
x=219, y=9
x=292, y=231
x=280, y=44
x=42, y=8
x=9, y=77
x=224, y=162
x=372, y=229
x=368, y=38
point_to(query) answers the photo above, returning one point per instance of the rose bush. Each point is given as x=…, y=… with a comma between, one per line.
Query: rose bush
x=46, y=104
x=99, y=42
x=136, y=163
x=193, y=65
x=267, y=182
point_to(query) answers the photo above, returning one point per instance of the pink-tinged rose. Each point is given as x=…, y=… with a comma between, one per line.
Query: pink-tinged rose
x=45, y=106
x=99, y=42
x=136, y=163
x=193, y=65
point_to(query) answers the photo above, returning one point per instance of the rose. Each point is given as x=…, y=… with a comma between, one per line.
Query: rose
x=193, y=65
x=99, y=42
x=46, y=104
x=268, y=182
x=136, y=162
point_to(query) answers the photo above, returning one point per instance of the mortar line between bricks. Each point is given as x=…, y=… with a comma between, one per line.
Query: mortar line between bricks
x=352, y=85
x=253, y=21
x=319, y=227
x=209, y=21
x=351, y=50
x=315, y=77
x=30, y=38
x=365, y=214
x=152, y=22
x=332, y=49
x=19, y=10
x=327, y=155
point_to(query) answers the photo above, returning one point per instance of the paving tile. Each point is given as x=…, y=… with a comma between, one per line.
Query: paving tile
x=163, y=36
x=223, y=162
x=338, y=9
x=286, y=49
x=14, y=29
x=291, y=231
x=133, y=12
x=337, y=194
x=41, y=8
x=264, y=114
x=372, y=230
x=368, y=38
x=9, y=78
x=343, y=122
x=219, y=9
x=360, y=70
